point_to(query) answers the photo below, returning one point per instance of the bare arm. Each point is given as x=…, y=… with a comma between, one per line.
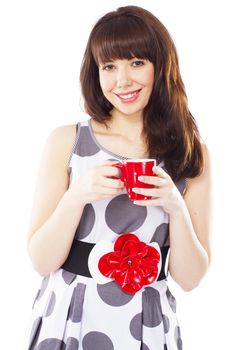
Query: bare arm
x=190, y=231
x=58, y=208
x=189, y=223
x=55, y=215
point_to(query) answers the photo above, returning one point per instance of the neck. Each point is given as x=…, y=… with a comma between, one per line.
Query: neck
x=130, y=127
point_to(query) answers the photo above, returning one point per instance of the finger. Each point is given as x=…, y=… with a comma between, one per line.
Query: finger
x=108, y=162
x=147, y=191
x=111, y=183
x=106, y=191
x=153, y=180
x=160, y=172
x=149, y=202
x=108, y=170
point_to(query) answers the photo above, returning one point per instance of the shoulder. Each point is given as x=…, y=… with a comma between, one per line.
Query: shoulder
x=63, y=136
x=59, y=143
x=204, y=179
x=64, y=133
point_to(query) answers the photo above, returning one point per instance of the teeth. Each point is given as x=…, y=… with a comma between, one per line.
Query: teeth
x=125, y=97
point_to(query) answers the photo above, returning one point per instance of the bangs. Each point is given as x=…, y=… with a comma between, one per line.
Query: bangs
x=124, y=38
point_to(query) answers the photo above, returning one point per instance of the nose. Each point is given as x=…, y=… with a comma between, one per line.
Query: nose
x=123, y=78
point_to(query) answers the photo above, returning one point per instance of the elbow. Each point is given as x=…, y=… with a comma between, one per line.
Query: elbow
x=191, y=281
x=186, y=284
x=38, y=267
x=42, y=262
x=37, y=262
x=190, y=284
x=188, y=287
x=40, y=270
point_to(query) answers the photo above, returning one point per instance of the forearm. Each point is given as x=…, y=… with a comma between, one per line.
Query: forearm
x=188, y=260
x=50, y=244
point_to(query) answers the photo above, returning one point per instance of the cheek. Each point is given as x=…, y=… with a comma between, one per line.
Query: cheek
x=150, y=76
x=106, y=84
x=146, y=78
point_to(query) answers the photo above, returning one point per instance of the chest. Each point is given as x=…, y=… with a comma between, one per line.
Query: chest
x=122, y=146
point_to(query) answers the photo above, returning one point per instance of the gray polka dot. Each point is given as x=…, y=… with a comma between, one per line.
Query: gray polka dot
x=161, y=235
x=35, y=330
x=85, y=146
x=112, y=295
x=151, y=306
x=86, y=223
x=178, y=338
x=144, y=347
x=36, y=298
x=76, y=304
x=68, y=277
x=136, y=326
x=122, y=215
x=181, y=185
x=179, y=344
x=51, y=304
x=97, y=341
x=72, y=344
x=166, y=323
x=165, y=347
x=114, y=159
x=43, y=287
x=51, y=343
x=171, y=300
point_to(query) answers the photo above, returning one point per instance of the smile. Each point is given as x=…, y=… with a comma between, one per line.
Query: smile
x=129, y=96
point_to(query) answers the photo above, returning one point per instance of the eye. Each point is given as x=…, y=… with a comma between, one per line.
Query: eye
x=138, y=63
x=108, y=67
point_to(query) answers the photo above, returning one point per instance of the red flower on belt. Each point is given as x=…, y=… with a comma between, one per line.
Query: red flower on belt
x=133, y=264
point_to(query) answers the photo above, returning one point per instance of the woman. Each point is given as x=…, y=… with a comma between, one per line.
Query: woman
x=134, y=94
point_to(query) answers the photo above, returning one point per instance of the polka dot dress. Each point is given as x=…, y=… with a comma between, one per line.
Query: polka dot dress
x=73, y=312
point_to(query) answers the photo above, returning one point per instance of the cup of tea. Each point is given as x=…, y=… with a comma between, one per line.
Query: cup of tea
x=131, y=169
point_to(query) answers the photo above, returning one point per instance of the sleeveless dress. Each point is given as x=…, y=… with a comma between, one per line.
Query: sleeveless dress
x=73, y=312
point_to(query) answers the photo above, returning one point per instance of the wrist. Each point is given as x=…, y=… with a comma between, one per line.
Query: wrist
x=74, y=198
x=180, y=211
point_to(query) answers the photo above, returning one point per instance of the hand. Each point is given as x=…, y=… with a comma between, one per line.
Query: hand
x=165, y=193
x=97, y=184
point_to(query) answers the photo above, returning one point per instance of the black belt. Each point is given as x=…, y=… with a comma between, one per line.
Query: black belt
x=77, y=260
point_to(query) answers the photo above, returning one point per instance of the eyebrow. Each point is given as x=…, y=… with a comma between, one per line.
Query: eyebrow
x=121, y=59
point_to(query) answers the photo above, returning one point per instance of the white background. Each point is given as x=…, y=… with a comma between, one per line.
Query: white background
x=42, y=44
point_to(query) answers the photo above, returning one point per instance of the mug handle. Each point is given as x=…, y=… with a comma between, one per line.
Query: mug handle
x=122, y=168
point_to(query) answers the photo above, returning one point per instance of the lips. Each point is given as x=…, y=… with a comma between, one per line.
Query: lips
x=129, y=96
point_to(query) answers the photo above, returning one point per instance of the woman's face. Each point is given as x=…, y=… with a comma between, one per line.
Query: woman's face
x=127, y=84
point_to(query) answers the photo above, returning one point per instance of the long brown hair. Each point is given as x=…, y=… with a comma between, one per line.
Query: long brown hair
x=171, y=131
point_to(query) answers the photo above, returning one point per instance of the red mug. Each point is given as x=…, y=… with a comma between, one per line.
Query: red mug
x=131, y=169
